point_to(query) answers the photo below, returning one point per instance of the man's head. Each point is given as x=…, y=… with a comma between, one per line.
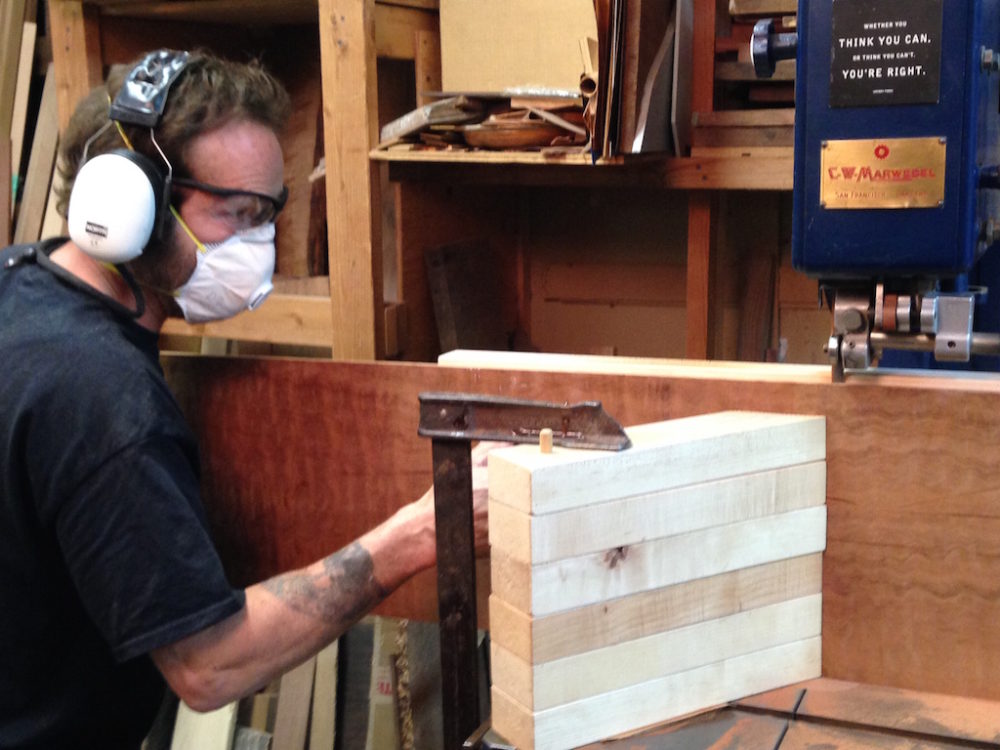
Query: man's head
x=219, y=131
x=208, y=93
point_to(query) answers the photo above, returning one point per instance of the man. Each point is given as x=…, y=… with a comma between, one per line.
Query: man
x=108, y=580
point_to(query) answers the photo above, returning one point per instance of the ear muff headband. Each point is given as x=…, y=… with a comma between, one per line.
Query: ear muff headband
x=120, y=199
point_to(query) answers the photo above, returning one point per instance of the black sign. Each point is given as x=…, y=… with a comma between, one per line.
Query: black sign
x=886, y=52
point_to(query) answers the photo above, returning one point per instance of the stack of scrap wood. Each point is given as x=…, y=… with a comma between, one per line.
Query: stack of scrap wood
x=631, y=588
x=760, y=132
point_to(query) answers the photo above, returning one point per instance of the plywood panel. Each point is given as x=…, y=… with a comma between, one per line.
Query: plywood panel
x=301, y=457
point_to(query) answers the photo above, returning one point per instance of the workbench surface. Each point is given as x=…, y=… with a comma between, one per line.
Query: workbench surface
x=827, y=714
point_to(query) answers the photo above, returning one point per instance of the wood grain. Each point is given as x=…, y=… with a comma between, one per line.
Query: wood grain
x=548, y=588
x=664, y=455
x=590, y=719
x=633, y=617
x=601, y=526
x=553, y=683
x=299, y=458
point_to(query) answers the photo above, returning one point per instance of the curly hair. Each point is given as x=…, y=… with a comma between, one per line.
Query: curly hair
x=209, y=93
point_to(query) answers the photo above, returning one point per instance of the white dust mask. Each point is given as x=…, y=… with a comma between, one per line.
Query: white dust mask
x=231, y=276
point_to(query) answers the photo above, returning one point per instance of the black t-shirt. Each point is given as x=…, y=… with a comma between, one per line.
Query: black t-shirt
x=105, y=552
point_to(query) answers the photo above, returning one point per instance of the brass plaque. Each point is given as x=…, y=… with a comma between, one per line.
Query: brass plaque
x=883, y=173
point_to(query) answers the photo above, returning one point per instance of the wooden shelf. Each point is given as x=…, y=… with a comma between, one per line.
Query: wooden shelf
x=728, y=172
x=249, y=12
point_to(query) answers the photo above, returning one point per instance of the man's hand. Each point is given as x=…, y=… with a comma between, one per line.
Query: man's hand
x=480, y=494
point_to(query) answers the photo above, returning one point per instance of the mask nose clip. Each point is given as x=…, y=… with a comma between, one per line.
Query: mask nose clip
x=259, y=295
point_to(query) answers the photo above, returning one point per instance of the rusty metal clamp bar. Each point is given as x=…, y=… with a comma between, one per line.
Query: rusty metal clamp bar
x=454, y=421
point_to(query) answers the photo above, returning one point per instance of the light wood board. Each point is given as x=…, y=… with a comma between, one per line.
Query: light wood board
x=630, y=618
x=572, y=678
x=22, y=90
x=582, y=721
x=564, y=584
x=323, y=718
x=601, y=526
x=40, y=165
x=663, y=455
x=291, y=722
x=212, y=730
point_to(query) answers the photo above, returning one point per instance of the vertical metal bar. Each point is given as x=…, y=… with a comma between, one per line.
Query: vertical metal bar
x=456, y=566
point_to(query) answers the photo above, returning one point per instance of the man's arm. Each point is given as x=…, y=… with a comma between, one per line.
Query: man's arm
x=292, y=616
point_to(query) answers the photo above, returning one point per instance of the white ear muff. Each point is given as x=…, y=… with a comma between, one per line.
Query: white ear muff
x=113, y=206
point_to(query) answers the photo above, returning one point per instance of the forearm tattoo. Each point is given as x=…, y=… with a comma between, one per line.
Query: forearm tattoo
x=342, y=593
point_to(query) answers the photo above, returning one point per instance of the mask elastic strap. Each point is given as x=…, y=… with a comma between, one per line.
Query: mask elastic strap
x=200, y=245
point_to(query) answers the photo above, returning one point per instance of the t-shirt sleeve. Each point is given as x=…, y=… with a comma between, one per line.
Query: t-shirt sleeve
x=137, y=547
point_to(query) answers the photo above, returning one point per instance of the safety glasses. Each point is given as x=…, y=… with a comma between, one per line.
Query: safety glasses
x=244, y=207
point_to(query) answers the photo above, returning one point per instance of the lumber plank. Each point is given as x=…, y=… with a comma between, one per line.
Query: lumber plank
x=298, y=147
x=19, y=113
x=545, y=685
x=664, y=455
x=40, y=165
x=576, y=723
x=12, y=14
x=212, y=730
x=601, y=526
x=282, y=319
x=330, y=449
x=350, y=130
x=745, y=118
x=322, y=720
x=566, y=634
x=564, y=584
x=74, y=28
x=396, y=27
x=291, y=722
x=6, y=196
x=759, y=7
x=701, y=256
x=748, y=137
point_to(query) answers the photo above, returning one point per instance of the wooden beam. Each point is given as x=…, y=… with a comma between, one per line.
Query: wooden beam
x=700, y=305
x=427, y=64
x=40, y=166
x=566, y=634
x=6, y=193
x=545, y=685
x=640, y=705
x=701, y=251
x=663, y=456
x=396, y=28
x=545, y=589
x=11, y=24
x=596, y=527
x=282, y=319
x=74, y=28
x=20, y=111
x=350, y=117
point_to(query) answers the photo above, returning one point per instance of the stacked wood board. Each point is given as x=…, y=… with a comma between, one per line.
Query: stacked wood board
x=631, y=588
